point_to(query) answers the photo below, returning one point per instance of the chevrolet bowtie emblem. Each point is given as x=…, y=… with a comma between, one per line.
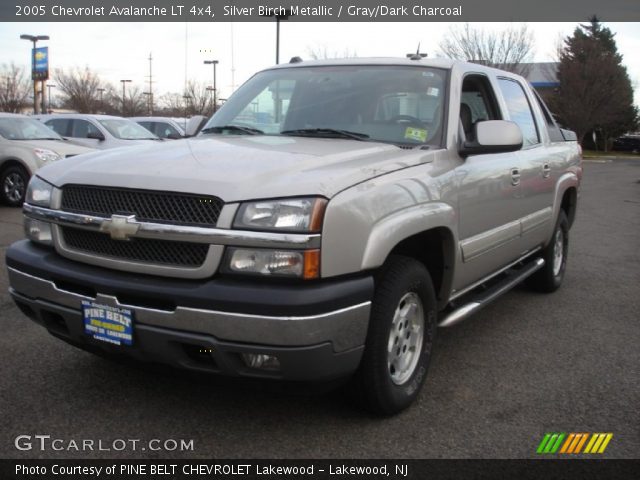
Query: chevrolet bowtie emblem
x=120, y=227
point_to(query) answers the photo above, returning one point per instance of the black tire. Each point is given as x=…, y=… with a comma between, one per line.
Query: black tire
x=377, y=385
x=13, y=185
x=549, y=278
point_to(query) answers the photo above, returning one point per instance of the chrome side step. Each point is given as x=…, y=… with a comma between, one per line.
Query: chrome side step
x=476, y=302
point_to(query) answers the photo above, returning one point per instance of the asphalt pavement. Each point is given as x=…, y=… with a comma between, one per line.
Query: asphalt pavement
x=526, y=365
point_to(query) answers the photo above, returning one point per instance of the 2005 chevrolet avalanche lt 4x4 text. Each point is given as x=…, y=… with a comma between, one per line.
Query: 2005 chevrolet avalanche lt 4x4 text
x=326, y=220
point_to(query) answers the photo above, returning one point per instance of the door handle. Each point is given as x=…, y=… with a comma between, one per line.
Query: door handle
x=546, y=170
x=515, y=176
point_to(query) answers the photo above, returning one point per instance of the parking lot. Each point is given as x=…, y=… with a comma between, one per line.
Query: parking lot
x=526, y=365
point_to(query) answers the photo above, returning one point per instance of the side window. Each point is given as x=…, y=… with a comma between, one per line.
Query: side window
x=478, y=103
x=60, y=126
x=82, y=129
x=148, y=125
x=552, y=128
x=164, y=130
x=520, y=110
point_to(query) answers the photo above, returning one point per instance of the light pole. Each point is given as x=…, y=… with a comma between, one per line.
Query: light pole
x=49, y=87
x=34, y=39
x=149, y=97
x=186, y=108
x=123, y=97
x=101, y=91
x=215, y=92
x=279, y=16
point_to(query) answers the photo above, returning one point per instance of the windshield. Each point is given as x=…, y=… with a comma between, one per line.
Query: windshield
x=126, y=129
x=18, y=128
x=393, y=104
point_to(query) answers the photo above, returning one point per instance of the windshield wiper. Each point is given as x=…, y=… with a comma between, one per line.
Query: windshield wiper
x=326, y=133
x=234, y=128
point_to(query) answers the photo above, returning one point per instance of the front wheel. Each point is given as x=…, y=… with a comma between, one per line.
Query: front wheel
x=13, y=186
x=549, y=278
x=400, y=338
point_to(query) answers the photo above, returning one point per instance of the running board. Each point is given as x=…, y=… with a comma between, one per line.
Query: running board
x=480, y=300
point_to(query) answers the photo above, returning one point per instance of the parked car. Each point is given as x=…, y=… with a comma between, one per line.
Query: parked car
x=98, y=131
x=25, y=146
x=627, y=143
x=326, y=220
x=163, y=127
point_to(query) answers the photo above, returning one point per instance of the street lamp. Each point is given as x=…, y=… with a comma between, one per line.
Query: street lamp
x=123, y=97
x=34, y=39
x=215, y=93
x=49, y=87
x=279, y=16
x=148, y=95
x=101, y=91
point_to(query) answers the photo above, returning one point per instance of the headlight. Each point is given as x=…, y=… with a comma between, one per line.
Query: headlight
x=289, y=214
x=279, y=263
x=39, y=192
x=46, y=155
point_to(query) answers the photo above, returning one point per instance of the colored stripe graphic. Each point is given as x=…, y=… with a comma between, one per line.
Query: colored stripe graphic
x=567, y=443
x=598, y=442
x=543, y=443
x=551, y=443
x=573, y=443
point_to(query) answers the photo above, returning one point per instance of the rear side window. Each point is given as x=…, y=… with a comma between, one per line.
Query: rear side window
x=82, y=129
x=520, y=111
x=164, y=130
x=148, y=125
x=60, y=126
x=552, y=128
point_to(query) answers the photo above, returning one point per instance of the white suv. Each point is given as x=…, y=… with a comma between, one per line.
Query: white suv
x=25, y=146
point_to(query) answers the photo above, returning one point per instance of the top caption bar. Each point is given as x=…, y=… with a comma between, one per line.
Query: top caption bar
x=318, y=11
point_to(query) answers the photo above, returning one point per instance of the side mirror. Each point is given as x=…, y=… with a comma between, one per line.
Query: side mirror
x=493, y=136
x=96, y=136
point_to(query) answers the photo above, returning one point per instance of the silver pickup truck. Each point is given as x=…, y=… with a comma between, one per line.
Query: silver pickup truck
x=326, y=220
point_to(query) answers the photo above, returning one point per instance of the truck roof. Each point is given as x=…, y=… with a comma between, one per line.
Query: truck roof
x=444, y=63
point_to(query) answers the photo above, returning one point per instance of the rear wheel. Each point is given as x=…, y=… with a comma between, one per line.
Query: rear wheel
x=13, y=185
x=400, y=338
x=549, y=277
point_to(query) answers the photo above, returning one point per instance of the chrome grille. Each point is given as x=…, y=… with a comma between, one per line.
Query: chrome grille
x=146, y=205
x=159, y=252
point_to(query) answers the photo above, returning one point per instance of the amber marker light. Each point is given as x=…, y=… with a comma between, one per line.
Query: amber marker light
x=311, y=264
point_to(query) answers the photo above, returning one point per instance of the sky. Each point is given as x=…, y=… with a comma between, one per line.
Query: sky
x=120, y=50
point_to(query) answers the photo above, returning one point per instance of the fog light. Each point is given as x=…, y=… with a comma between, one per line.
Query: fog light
x=285, y=263
x=261, y=361
x=38, y=231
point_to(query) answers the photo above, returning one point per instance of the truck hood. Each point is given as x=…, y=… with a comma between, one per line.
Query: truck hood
x=237, y=168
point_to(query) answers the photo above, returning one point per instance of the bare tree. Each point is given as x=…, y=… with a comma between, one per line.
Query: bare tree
x=171, y=105
x=321, y=51
x=14, y=88
x=508, y=49
x=199, y=99
x=79, y=88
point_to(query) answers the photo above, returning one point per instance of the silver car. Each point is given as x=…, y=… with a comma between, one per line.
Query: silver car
x=163, y=127
x=25, y=146
x=98, y=131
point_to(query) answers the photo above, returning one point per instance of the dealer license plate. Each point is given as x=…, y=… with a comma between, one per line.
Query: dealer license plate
x=108, y=324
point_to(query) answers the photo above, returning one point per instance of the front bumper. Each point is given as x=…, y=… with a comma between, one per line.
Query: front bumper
x=317, y=330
